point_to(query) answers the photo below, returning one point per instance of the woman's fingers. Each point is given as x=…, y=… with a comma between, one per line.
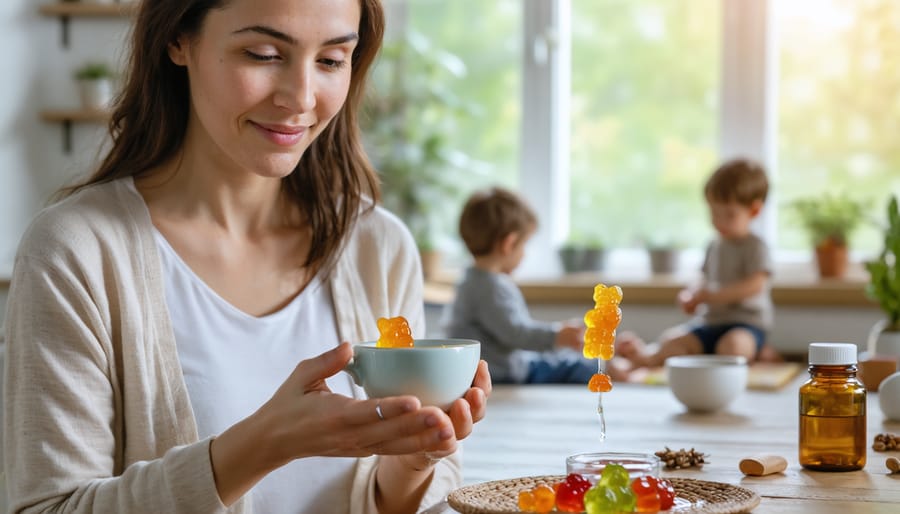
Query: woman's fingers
x=483, y=378
x=310, y=374
x=374, y=410
x=428, y=429
x=461, y=414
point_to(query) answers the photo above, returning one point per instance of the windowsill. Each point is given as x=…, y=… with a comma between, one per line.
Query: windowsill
x=792, y=284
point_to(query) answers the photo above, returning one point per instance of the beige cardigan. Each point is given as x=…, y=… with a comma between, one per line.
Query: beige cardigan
x=97, y=416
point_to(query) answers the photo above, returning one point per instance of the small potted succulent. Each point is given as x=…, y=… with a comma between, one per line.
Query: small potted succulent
x=884, y=287
x=95, y=84
x=830, y=220
x=582, y=253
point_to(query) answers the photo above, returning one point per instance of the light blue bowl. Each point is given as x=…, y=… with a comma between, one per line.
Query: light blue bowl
x=437, y=371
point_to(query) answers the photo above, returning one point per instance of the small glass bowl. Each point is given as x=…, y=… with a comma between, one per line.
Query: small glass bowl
x=590, y=465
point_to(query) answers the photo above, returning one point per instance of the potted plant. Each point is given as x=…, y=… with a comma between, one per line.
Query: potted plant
x=663, y=251
x=408, y=124
x=830, y=220
x=582, y=253
x=884, y=287
x=95, y=84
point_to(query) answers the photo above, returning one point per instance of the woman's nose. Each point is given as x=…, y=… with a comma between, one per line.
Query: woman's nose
x=297, y=90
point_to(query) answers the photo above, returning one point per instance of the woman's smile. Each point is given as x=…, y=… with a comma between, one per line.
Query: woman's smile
x=281, y=135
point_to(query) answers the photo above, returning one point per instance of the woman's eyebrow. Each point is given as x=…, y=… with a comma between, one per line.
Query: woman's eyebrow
x=281, y=36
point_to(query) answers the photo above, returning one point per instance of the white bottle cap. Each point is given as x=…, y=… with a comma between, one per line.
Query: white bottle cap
x=832, y=354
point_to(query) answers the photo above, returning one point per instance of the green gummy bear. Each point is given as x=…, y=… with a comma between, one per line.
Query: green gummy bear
x=614, y=475
x=600, y=499
x=626, y=500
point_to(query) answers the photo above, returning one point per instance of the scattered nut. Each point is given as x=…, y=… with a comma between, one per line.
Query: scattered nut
x=681, y=458
x=893, y=464
x=886, y=443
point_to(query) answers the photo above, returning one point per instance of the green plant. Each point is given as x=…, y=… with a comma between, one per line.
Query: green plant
x=93, y=71
x=408, y=124
x=829, y=218
x=584, y=240
x=884, y=272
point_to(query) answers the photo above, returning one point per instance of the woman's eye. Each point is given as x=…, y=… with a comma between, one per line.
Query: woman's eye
x=260, y=57
x=332, y=63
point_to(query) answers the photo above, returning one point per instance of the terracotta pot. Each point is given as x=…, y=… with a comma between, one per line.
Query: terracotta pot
x=832, y=259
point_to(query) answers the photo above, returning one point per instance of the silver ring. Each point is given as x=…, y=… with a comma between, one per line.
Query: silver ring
x=378, y=411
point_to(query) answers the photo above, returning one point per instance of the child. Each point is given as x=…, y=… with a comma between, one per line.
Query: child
x=733, y=297
x=495, y=225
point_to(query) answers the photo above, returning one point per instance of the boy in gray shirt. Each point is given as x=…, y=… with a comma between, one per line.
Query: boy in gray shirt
x=495, y=225
x=733, y=300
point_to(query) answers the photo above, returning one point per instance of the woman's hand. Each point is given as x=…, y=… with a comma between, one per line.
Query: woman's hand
x=402, y=480
x=304, y=418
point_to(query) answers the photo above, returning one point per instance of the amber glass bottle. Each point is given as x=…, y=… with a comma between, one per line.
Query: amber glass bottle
x=832, y=410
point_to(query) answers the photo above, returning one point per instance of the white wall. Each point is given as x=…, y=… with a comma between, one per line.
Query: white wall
x=32, y=162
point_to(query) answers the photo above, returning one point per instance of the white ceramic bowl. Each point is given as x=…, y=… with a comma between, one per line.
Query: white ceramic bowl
x=889, y=397
x=706, y=383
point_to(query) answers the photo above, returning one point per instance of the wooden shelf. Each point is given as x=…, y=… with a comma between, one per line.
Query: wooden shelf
x=75, y=115
x=88, y=9
x=68, y=117
x=66, y=10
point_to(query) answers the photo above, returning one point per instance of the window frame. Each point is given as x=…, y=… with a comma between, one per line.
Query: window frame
x=747, y=124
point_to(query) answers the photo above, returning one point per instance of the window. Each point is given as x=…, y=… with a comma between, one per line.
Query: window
x=481, y=43
x=644, y=119
x=647, y=97
x=838, y=107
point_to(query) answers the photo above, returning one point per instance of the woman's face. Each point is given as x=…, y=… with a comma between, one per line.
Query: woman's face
x=266, y=77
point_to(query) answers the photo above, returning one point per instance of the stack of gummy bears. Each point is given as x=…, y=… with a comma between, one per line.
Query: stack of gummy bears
x=600, y=336
x=614, y=492
x=394, y=333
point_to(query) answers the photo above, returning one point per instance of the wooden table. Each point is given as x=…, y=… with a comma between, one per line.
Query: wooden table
x=530, y=430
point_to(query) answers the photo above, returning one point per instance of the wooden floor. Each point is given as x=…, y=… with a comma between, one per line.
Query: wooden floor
x=531, y=429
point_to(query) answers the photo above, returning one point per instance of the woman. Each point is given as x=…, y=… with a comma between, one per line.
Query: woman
x=158, y=312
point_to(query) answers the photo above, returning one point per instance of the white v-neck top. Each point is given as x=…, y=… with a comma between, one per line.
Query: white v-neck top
x=233, y=363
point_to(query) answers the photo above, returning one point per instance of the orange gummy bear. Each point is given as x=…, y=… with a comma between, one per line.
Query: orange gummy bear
x=526, y=501
x=601, y=322
x=600, y=383
x=544, y=498
x=600, y=336
x=394, y=333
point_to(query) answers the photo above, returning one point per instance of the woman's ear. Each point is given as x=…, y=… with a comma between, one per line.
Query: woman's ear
x=178, y=51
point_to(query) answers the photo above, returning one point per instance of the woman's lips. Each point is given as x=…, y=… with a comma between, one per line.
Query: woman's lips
x=281, y=135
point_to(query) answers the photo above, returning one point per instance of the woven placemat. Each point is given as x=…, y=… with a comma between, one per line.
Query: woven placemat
x=692, y=496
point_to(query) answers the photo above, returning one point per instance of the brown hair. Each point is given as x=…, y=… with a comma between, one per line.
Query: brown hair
x=491, y=215
x=150, y=116
x=738, y=180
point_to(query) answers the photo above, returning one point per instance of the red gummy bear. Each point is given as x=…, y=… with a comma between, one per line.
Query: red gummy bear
x=666, y=494
x=570, y=495
x=646, y=493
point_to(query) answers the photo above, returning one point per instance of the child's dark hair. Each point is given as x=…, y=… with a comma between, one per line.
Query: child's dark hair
x=738, y=180
x=491, y=215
